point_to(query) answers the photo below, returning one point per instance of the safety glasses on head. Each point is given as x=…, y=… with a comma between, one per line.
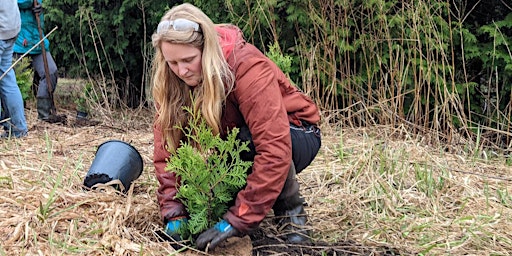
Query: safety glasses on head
x=178, y=25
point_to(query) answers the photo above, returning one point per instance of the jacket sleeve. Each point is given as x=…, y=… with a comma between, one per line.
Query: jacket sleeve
x=26, y=4
x=169, y=207
x=261, y=104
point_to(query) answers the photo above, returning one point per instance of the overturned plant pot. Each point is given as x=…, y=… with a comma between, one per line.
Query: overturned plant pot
x=114, y=160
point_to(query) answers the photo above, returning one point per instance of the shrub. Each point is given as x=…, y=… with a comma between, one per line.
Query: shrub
x=211, y=173
x=24, y=78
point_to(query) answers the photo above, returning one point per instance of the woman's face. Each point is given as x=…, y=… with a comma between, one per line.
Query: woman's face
x=185, y=61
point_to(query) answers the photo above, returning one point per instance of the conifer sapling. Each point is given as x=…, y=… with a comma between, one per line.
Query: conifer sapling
x=211, y=173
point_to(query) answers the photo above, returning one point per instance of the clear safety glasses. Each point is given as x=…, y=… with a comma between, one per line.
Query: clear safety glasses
x=178, y=25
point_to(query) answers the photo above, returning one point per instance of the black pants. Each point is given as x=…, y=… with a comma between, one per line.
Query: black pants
x=306, y=141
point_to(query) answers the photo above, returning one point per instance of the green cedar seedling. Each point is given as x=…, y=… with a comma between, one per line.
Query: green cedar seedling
x=211, y=173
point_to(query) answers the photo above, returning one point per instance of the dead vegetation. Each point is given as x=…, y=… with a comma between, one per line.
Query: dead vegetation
x=371, y=191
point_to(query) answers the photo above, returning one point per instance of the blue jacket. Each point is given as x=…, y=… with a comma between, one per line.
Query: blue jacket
x=29, y=34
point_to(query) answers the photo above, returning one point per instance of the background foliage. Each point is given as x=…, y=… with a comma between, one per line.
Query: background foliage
x=441, y=66
x=107, y=42
x=24, y=75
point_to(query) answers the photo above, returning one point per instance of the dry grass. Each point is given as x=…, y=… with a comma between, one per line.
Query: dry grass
x=45, y=208
x=376, y=187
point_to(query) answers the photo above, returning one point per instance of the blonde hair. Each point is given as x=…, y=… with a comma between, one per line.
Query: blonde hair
x=171, y=94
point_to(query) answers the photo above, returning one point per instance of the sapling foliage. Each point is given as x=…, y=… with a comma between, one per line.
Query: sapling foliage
x=211, y=173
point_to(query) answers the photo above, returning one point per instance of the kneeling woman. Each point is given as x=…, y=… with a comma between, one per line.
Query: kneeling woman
x=233, y=85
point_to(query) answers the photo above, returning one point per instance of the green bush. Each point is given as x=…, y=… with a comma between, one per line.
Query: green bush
x=436, y=65
x=108, y=42
x=24, y=78
x=284, y=62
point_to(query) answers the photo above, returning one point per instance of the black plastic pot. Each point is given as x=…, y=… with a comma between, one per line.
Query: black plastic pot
x=114, y=160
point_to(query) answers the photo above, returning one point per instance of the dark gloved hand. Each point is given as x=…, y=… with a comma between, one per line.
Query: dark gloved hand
x=171, y=229
x=213, y=236
x=37, y=9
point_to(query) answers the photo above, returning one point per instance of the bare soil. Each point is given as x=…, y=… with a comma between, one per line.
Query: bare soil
x=266, y=241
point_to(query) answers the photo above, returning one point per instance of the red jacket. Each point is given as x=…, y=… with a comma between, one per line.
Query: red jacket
x=265, y=101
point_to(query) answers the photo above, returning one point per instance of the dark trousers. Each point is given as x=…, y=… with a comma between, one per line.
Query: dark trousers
x=39, y=86
x=306, y=141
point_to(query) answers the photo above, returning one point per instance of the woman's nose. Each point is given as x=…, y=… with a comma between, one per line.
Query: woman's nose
x=182, y=69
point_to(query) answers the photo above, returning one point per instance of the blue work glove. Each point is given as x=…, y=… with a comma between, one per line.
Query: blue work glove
x=213, y=236
x=171, y=229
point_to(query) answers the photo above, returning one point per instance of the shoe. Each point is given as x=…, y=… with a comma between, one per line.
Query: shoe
x=7, y=135
x=292, y=223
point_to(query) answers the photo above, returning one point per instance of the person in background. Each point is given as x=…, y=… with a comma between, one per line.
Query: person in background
x=28, y=37
x=10, y=94
x=233, y=84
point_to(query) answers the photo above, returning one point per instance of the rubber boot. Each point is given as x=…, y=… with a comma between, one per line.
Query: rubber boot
x=44, y=112
x=290, y=216
x=293, y=224
x=44, y=107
